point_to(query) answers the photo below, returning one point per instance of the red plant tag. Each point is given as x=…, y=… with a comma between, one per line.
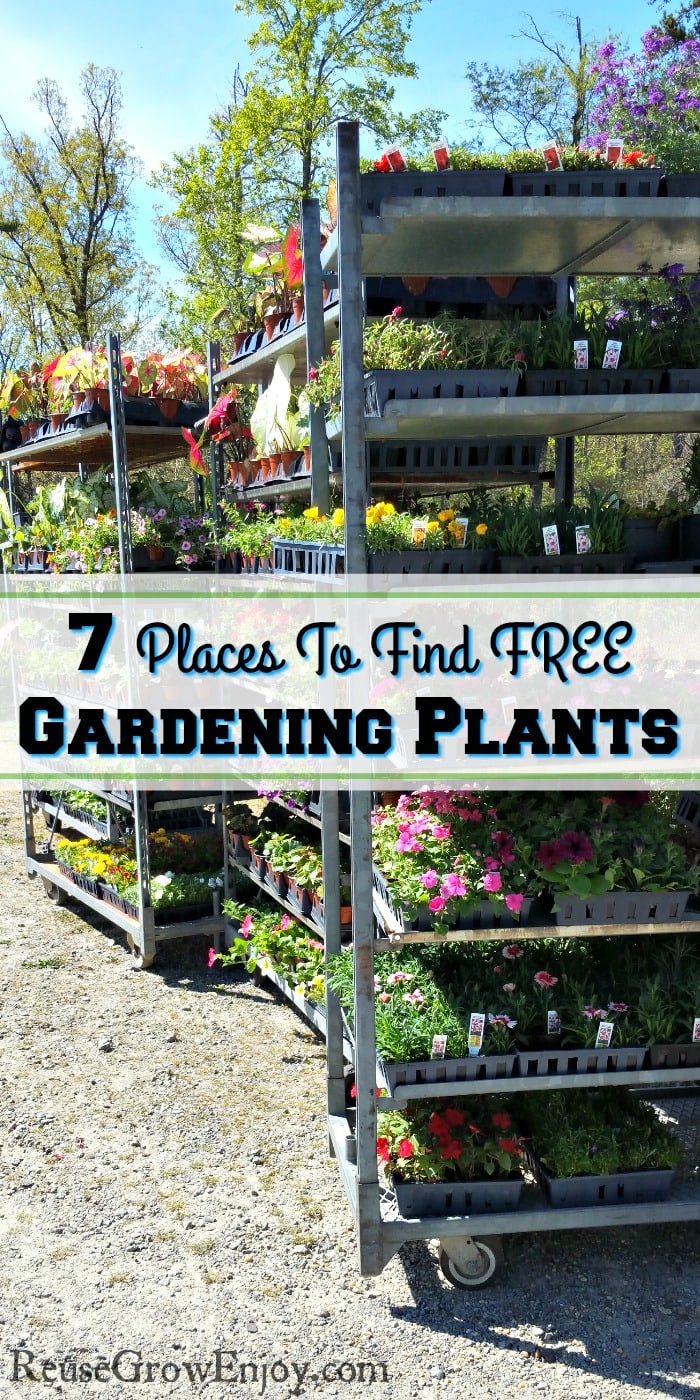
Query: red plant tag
x=551, y=157
x=613, y=154
x=441, y=156
x=382, y=165
x=395, y=159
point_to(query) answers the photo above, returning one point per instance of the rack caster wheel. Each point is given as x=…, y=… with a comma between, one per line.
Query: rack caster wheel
x=140, y=962
x=53, y=892
x=471, y=1263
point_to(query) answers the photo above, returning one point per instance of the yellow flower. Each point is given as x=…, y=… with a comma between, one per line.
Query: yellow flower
x=455, y=529
x=481, y=529
x=446, y=515
x=433, y=526
x=338, y=516
x=284, y=523
x=312, y=513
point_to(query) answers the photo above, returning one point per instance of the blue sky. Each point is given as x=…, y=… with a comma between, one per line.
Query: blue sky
x=176, y=59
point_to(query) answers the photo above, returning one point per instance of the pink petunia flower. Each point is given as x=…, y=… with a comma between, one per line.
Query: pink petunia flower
x=452, y=887
x=441, y=833
x=492, y=881
x=429, y=879
x=509, y=986
x=514, y=902
x=436, y=904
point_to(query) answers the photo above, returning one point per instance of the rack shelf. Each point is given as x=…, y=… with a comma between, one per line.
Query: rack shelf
x=250, y=369
x=512, y=236
x=93, y=447
x=441, y=420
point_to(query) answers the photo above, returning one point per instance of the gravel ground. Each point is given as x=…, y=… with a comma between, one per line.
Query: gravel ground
x=166, y=1194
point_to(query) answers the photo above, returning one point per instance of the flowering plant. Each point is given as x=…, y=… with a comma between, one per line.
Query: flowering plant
x=268, y=942
x=434, y=1139
x=596, y=1132
x=651, y=98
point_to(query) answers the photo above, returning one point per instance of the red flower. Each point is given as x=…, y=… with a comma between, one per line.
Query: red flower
x=474, y=1128
x=398, y=311
x=438, y=1125
x=501, y=1120
x=454, y=1117
x=450, y=1150
x=405, y=1148
x=509, y=1145
x=545, y=979
x=383, y=1149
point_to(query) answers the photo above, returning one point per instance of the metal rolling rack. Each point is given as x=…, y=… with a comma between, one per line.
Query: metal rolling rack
x=122, y=447
x=448, y=237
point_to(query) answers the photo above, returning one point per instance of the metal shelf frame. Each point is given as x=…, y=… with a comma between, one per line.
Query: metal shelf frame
x=445, y=237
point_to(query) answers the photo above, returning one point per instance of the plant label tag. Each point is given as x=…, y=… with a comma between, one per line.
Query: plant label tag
x=580, y=354
x=613, y=154
x=441, y=156
x=553, y=1023
x=583, y=539
x=461, y=524
x=477, y=1021
x=696, y=1030
x=439, y=1047
x=605, y=1034
x=550, y=535
x=551, y=157
x=395, y=159
x=419, y=530
x=611, y=358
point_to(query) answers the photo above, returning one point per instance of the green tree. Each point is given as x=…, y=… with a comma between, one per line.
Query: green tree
x=315, y=61
x=683, y=23
x=541, y=98
x=69, y=269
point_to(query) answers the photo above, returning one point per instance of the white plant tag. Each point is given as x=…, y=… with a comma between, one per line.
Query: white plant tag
x=583, y=539
x=553, y=1023
x=611, y=358
x=461, y=522
x=419, y=530
x=605, y=1034
x=580, y=354
x=613, y=154
x=550, y=535
x=477, y=1021
x=696, y=1030
x=439, y=1047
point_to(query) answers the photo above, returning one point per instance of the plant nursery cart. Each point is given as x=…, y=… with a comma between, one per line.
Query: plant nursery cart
x=420, y=236
x=132, y=807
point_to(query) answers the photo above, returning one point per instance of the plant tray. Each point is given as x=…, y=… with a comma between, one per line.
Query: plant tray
x=311, y=558
x=99, y=825
x=620, y=1188
x=503, y=458
x=485, y=915
x=532, y=1063
x=277, y=881
x=610, y=184
x=674, y=1056
x=432, y=561
x=110, y=896
x=376, y=186
x=182, y=914
x=566, y=563
x=299, y=897
x=434, y=1198
x=382, y=386
x=239, y=851
x=622, y=907
x=464, y=1071
x=556, y=382
x=684, y=381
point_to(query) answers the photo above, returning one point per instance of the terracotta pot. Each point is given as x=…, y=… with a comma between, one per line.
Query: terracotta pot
x=271, y=322
x=239, y=339
x=57, y=420
x=78, y=399
x=287, y=462
x=168, y=407
x=345, y=914
x=275, y=462
x=99, y=396
x=264, y=468
x=307, y=457
x=298, y=307
x=155, y=551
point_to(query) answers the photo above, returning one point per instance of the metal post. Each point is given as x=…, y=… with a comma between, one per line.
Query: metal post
x=565, y=447
x=330, y=856
x=119, y=455
x=215, y=451
x=355, y=502
x=315, y=346
x=143, y=863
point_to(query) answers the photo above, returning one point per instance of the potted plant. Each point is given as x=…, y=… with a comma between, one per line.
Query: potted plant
x=442, y=1160
x=599, y=1147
